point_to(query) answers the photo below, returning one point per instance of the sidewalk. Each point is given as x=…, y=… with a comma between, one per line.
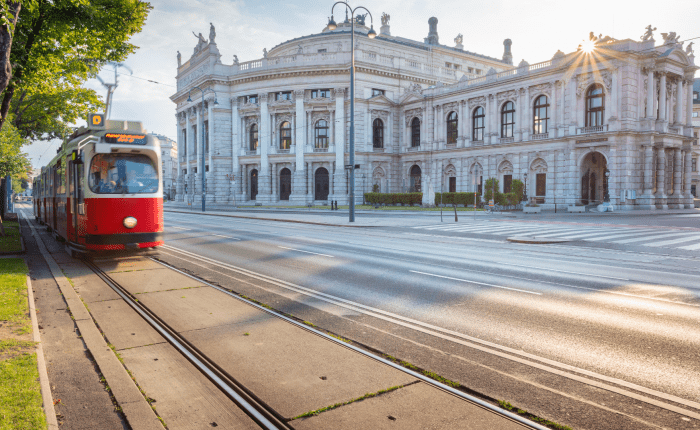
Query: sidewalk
x=308, y=377
x=398, y=218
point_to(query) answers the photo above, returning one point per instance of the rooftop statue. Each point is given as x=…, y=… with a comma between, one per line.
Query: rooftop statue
x=459, y=39
x=360, y=19
x=201, y=42
x=179, y=59
x=264, y=52
x=385, y=18
x=649, y=34
x=212, y=33
x=235, y=59
x=689, y=49
x=670, y=38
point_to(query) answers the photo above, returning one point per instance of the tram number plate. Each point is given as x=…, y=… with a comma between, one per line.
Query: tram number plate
x=136, y=139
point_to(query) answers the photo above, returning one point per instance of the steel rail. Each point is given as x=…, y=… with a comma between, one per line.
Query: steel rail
x=254, y=407
x=423, y=378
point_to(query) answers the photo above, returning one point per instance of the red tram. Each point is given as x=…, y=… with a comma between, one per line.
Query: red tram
x=103, y=190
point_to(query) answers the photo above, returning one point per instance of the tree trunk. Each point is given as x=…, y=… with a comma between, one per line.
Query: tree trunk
x=6, y=34
x=5, y=107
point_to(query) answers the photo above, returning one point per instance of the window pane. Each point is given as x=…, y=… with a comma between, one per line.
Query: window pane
x=122, y=174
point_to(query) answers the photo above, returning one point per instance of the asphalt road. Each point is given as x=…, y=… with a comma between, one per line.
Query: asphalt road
x=619, y=321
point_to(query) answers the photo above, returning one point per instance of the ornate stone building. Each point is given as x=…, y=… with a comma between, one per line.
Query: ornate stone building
x=170, y=164
x=435, y=117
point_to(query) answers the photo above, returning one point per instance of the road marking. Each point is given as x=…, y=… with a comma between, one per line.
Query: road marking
x=571, y=273
x=691, y=247
x=474, y=282
x=469, y=341
x=227, y=237
x=307, y=252
x=674, y=241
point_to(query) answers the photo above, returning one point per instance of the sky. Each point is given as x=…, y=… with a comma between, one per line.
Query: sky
x=538, y=28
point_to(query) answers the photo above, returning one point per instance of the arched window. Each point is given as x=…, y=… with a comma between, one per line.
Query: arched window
x=415, y=179
x=253, y=137
x=285, y=135
x=321, y=134
x=415, y=132
x=452, y=128
x=507, y=119
x=541, y=115
x=378, y=133
x=595, y=106
x=478, y=124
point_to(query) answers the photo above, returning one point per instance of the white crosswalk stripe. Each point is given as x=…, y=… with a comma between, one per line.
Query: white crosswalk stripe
x=618, y=234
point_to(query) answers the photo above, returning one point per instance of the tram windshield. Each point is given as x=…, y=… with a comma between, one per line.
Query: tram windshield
x=122, y=174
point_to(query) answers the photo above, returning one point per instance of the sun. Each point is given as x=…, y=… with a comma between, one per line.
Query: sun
x=588, y=46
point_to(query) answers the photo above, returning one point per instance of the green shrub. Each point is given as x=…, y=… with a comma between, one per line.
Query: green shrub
x=466, y=199
x=517, y=186
x=393, y=198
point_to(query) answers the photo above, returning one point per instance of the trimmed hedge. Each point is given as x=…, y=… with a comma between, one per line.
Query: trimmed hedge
x=466, y=199
x=394, y=198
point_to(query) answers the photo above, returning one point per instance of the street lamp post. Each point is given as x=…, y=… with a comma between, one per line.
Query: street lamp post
x=204, y=170
x=525, y=187
x=371, y=34
x=606, y=196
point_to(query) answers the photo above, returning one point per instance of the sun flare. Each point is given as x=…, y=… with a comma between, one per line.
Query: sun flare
x=588, y=46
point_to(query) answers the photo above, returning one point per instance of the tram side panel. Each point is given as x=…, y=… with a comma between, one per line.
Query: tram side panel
x=102, y=226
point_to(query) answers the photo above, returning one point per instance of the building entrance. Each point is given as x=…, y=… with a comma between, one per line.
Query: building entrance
x=593, y=170
x=253, y=184
x=285, y=184
x=321, y=184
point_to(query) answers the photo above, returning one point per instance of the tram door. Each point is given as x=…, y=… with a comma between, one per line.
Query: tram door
x=72, y=198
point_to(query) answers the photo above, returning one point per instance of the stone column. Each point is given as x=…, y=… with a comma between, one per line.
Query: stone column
x=553, y=109
x=651, y=113
x=309, y=183
x=677, y=202
x=660, y=178
x=389, y=141
x=614, y=98
x=332, y=170
x=467, y=125
x=487, y=120
x=339, y=177
x=689, y=110
x=678, y=117
x=274, y=183
x=235, y=148
x=662, y=98
x=527, y=114
x=647, y=197
x=573, y=117
x=461, y=121
x=560, y=117
x=198, y=157
x=180, y=185
x=213, y=183
x=244, y=183
x=264, y=136
x=298, y=181
x=688, y=175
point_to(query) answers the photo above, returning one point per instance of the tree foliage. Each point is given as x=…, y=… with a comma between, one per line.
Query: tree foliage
x=13, y=162
x=57, y=46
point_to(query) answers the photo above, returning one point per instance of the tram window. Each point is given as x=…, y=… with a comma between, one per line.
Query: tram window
x=122, y=174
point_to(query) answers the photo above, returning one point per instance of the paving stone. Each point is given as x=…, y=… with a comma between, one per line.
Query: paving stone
x=418, y=406
x=146, y=281
x=122, y=326
x=185, y=398
x=126, y=264
x=291, y=369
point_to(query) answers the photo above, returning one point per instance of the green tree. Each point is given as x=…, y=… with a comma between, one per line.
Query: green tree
x=57, y=46
x=12, y=161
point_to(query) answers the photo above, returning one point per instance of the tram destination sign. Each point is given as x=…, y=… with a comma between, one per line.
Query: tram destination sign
x=135, y=139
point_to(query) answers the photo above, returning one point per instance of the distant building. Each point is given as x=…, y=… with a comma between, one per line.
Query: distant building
x=612, y=114
x=168, y=154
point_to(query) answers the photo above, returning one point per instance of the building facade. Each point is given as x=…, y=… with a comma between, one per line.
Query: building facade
x=170, y=167
x=614, y=115
x=695, y=174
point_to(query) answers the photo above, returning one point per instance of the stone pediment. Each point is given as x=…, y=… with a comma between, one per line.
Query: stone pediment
x=277, y=104
x=248, y=108
x=320, y=101
x=382, y=100
x=410, y=98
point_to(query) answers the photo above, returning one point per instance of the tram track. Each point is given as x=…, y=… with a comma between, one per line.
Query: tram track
x=254, y=407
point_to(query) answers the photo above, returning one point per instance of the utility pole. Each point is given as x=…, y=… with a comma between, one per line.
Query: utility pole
x=112, y=87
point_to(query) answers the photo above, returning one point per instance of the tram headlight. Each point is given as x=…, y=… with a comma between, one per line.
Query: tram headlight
x=129, y=222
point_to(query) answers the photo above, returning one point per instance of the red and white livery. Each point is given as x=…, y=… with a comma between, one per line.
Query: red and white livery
x=103, y=191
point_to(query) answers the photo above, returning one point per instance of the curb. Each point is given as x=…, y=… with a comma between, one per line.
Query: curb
x=534, y=240
x=270, y=219
x=46, y=396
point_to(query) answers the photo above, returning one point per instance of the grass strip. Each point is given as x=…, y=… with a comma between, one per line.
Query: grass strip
x=13, y=295
x=528, y=415
x=20, y=395
x=337, y=405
